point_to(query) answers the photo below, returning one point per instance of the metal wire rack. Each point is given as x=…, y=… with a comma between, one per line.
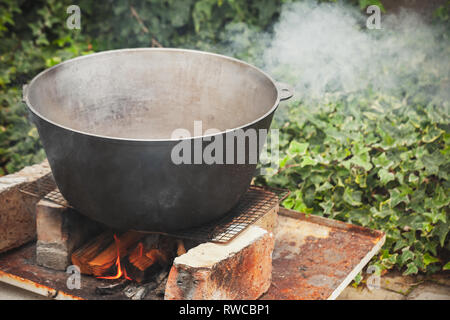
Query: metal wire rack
x=255, y=203
x=45, y=188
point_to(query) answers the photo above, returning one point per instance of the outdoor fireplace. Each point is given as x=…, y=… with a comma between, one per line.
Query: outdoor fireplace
x=261, y=251
x=134, y=263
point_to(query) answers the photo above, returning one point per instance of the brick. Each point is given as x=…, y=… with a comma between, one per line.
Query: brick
x=240, y=269
x=60, y=231
x=17, y=210
x=270, y=220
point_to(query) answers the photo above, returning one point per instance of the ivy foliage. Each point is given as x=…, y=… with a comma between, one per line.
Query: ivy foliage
x=383, y=168
x=33, y=38
x=376, y=158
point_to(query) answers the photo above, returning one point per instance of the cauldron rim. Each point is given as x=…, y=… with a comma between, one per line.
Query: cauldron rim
x=137, y=140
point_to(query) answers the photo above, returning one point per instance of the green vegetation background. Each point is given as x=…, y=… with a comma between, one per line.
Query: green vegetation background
x=384, y=168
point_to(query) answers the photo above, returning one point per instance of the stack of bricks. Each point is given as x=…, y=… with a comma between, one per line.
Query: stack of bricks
x=60, y=231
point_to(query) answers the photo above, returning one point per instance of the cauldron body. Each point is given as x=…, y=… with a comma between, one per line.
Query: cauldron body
x=110, y=122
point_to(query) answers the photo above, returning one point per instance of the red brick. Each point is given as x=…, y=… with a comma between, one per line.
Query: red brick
x=270, y=220
x=60, y=231
x=240, y=269
x=17, y=210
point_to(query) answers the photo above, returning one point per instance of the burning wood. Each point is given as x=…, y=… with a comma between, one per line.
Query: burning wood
x=90, y=250
x=148, y=256
x=136, y=256
x=106, y=259
x=99, y=255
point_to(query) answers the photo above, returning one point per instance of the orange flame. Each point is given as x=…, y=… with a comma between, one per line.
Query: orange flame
x=120, y=272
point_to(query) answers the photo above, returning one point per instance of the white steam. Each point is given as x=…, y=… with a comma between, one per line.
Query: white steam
x=326, y=49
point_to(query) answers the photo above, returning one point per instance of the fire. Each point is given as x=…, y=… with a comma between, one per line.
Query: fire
x=120, y=271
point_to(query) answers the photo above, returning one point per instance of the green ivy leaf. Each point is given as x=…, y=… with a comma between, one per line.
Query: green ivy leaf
x=436, y=215
x=296, y=148
x=382, y=161
x=432, y=162
x=413, y=179
x=358, y=279
x=428, y=259
x=327, y=206
x=411, y=269
x=432, y=133
x=398, y=197
x=385, y=176
x=352, y=197
x=289, y=203
x=308, y=161
x=441, y=230
x=406, y=256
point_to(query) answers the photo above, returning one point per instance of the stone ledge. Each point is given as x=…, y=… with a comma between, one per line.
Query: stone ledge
x=395, y=286
x=430, y=291
x=362, y=293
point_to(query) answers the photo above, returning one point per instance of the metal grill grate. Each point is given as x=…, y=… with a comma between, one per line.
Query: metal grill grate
x=45, y=188
x=255, y=203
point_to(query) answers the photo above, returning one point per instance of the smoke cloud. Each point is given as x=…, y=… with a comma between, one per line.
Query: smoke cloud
x=326, y=50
